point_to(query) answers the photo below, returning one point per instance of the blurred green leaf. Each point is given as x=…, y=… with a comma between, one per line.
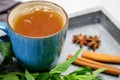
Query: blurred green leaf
x=10, y=76
x=28, y=76
x=43, y=76
x=61, y=67
x=7, y=53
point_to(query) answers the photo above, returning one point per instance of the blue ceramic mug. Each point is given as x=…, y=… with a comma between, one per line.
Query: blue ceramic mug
x=36, y=53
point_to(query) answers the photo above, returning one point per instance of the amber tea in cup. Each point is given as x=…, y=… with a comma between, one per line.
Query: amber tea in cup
x=38, y=21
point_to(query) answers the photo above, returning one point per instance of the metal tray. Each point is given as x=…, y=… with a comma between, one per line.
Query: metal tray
x=95, y=23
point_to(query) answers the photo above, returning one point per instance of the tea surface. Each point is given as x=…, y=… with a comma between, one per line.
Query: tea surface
x=38, y=23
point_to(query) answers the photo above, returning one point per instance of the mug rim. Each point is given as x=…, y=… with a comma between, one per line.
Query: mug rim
x=37, y=37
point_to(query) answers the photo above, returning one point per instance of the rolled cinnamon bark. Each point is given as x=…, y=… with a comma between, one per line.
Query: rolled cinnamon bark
x=102, y=57
x=95, y=65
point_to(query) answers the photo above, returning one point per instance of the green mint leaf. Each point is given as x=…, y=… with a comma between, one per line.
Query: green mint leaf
x=61, y=67
x=28, y=76
x=20, y=75
x=69, y=77
x=86, y=73
x=78, y=71
x=2, y=76
x=35, y=74
x=7, y=53
x=98, y=71
x=99, y=78
x=85, y=77
x=82, y=73
x=43, y=76
x=10, y=76
x=87, y=70
x=56, y=77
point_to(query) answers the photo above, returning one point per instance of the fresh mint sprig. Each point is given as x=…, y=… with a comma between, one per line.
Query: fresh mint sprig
x=82, y=73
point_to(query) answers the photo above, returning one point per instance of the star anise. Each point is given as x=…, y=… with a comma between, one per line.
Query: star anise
x=93, y=42
x=80, y=39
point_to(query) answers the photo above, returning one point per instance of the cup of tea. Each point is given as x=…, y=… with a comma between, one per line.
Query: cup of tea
x=37, y=31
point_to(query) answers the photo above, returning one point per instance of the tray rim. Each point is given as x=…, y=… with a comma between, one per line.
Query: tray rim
x=96, y=9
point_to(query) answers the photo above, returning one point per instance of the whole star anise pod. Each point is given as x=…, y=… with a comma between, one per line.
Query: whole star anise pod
x=93, y=42
x=80, y=39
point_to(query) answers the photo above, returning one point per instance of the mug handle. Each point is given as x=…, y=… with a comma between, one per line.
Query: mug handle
x=3, y=27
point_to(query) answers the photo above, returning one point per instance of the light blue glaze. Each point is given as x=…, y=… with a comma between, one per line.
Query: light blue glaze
x=36, y=54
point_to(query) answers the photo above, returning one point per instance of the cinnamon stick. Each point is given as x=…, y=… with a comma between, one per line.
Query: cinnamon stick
x=102, y=57
x=95, y=65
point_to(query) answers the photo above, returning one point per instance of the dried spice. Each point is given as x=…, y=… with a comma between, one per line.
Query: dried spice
x=93, y=42
x=80, y=39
